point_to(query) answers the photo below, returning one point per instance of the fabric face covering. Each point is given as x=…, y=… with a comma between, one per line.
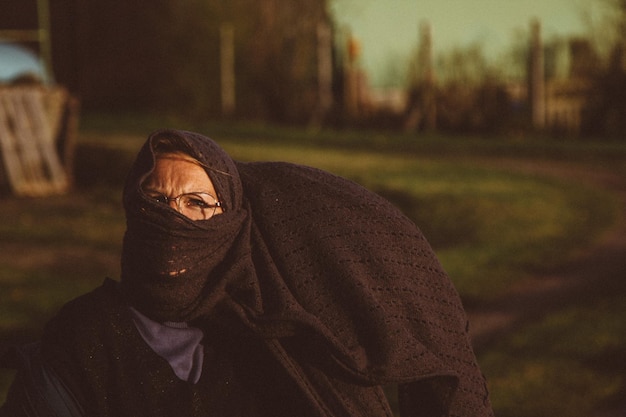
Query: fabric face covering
x=169, y=262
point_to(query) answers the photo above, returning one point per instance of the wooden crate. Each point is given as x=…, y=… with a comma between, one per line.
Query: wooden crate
x=37, y=134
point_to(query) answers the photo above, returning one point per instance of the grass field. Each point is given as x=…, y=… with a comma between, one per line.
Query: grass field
x=498, y=212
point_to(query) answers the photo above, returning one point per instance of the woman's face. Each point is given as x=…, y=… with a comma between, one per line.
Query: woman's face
x=184, y=185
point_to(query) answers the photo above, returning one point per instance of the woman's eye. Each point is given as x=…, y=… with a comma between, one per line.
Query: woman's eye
x=159, y=198
x=197, y=202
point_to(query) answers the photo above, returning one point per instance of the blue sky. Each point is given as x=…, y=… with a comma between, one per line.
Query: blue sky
x=388, y=30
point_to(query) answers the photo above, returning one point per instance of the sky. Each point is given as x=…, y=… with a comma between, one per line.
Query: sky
x=388, y=30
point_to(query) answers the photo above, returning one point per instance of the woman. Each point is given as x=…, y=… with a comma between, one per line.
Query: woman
x=256, y=289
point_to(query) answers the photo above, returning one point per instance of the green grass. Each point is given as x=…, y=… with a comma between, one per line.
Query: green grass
x=54, y=249
x=492, y=217
x=86, y=217
x=563, y=365
x=489, y=226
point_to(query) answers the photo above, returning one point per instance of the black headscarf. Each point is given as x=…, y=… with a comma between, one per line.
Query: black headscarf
x=174, y=268
x=303, y=254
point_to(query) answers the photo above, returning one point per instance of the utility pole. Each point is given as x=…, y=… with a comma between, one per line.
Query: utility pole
x=324, y=70
x=536, y=78
x=227, y=68
x=428, y=78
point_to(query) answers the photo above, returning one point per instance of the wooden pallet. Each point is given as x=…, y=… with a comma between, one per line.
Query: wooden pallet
x=30, y=122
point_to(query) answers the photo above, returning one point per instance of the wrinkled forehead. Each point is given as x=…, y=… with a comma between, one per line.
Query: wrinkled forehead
x=219, y=166
x=177, y=169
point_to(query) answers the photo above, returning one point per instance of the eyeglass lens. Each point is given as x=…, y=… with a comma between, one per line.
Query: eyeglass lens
x=197, y=206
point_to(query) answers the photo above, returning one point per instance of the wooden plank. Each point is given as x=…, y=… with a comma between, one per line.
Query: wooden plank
x=25, y=143
x=44, y=140
x=10, y=154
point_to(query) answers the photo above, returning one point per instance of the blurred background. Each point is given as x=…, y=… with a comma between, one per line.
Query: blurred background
x=497, y=126
x=484, y=66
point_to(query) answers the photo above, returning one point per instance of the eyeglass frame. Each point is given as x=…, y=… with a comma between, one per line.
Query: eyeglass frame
x=166, y=200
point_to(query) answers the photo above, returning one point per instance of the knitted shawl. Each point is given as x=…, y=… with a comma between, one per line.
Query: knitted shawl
x=305, y=256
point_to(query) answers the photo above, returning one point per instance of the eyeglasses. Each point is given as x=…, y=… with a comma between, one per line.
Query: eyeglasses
x=196, y=206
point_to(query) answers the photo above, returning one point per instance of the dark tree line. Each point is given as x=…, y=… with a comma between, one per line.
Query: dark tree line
x=163, y=55
x=606, y=115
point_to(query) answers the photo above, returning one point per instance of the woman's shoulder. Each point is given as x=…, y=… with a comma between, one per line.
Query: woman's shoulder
x=100, y=311
x=106, y=294
x=98, y=303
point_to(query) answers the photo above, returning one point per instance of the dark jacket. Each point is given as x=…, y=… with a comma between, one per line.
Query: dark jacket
x=92, y=345
x=37, y=390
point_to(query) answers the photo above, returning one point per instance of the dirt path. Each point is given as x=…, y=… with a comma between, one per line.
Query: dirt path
x=595, y=271
x=598, y=272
